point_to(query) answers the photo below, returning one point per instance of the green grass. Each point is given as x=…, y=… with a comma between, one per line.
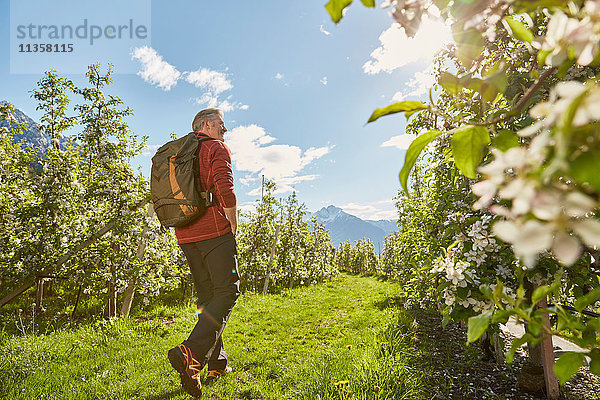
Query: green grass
x=338, y=340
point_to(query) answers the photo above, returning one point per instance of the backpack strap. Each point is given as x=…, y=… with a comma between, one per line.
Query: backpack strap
x=207, y=195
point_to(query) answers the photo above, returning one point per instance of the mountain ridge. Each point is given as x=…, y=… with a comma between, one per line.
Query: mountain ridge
x=31, y=135
x=347, y=227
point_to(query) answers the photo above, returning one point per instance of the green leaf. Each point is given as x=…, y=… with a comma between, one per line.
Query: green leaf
x=542, y=55
x=588, y=336
x=368, y=3
x=595, y=366
x=498, y=290
x=502, y=316
x=517, y=29
x=535, y=326
x=441, y=4
x=408, y=106
x=522, y=6
x=469, y=44
x=516, y=343
x=567, y=365
x=487, y=91
x=564, y=68
x=539, y=293
x=467, y=145
x=487, y=291
x=445, y=317
x=450, y=83
x=520, y=292
x=584, y=169
x=497, y=77
x=478, y=325
x=588, y=299
x=595, y=363
x=462, y=292
x=505, y=139
x=413, y=152
x=335, y=9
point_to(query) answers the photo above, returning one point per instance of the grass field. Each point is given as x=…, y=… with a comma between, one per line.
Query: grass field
x=336, y=340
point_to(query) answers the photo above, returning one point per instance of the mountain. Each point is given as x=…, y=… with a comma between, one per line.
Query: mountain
x=387, y=225
x=32, y=137
x=344, y=226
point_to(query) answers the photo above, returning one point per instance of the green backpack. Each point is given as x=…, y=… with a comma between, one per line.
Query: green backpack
x=175, y=182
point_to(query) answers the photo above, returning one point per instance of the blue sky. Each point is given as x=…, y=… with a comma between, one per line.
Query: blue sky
x=296, y=89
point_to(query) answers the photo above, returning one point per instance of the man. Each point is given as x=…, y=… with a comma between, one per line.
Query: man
x=210, y=249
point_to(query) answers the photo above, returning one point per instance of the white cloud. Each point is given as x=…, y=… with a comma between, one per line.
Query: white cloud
x=213, y=81
x=279, y=76
x=150, y=149
x=160, y=73
x=248, y=207
x=248, y=179
x=155, y=70
x=401, y=142
x=419, y=85
x=397, y=50
x=210, y=100
x=324, y=80
x=284, y=185
x=253, y=152
x=375, y=210
x=324, y=31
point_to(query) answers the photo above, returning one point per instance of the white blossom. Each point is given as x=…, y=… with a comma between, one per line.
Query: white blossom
x=561, y=97
x=565, y=35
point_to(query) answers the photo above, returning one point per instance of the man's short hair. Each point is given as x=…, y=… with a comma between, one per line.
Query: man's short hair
x=205, y=115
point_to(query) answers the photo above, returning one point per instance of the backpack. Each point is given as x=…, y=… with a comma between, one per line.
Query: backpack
x=175, y=182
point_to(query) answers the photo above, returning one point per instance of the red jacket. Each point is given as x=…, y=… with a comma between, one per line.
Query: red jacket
x=215, y=170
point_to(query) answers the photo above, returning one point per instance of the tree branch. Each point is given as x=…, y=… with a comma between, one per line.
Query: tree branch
x=522, y=101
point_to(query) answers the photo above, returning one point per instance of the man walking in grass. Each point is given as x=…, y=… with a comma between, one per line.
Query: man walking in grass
x=210, y=249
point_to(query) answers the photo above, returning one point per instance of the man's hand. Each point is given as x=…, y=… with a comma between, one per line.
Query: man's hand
x=231, y=214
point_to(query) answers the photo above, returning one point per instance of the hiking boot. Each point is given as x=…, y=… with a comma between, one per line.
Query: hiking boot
x=215, y=374
x=184, y=361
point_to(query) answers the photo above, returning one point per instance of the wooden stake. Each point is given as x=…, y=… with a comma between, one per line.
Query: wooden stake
x=268, y=276
x=543, y=353
x=76, y=303
x=39, y=295
x=498, y=349
x=547, y=355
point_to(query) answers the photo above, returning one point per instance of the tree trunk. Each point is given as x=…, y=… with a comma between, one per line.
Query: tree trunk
x=128, y=299
x=130, y=291
x=17, y=292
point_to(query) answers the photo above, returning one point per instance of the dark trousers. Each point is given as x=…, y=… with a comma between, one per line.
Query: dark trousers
x=213, y=264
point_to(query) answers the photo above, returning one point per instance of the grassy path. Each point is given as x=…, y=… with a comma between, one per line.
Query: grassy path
x=329, y=341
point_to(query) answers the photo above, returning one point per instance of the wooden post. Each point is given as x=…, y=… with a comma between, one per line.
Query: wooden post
x=76, y=303
x=112, y=294
x=39, y=295
x=268, y=276
x=498, y=350
x=543, y=353
x=130, y=291
x=547, y=356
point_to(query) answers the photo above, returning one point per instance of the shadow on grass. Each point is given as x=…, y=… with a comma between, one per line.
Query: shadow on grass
x=390, y=302
x=167, y=395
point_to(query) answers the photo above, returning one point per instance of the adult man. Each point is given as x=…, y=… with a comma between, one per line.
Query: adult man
x=210, y=249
